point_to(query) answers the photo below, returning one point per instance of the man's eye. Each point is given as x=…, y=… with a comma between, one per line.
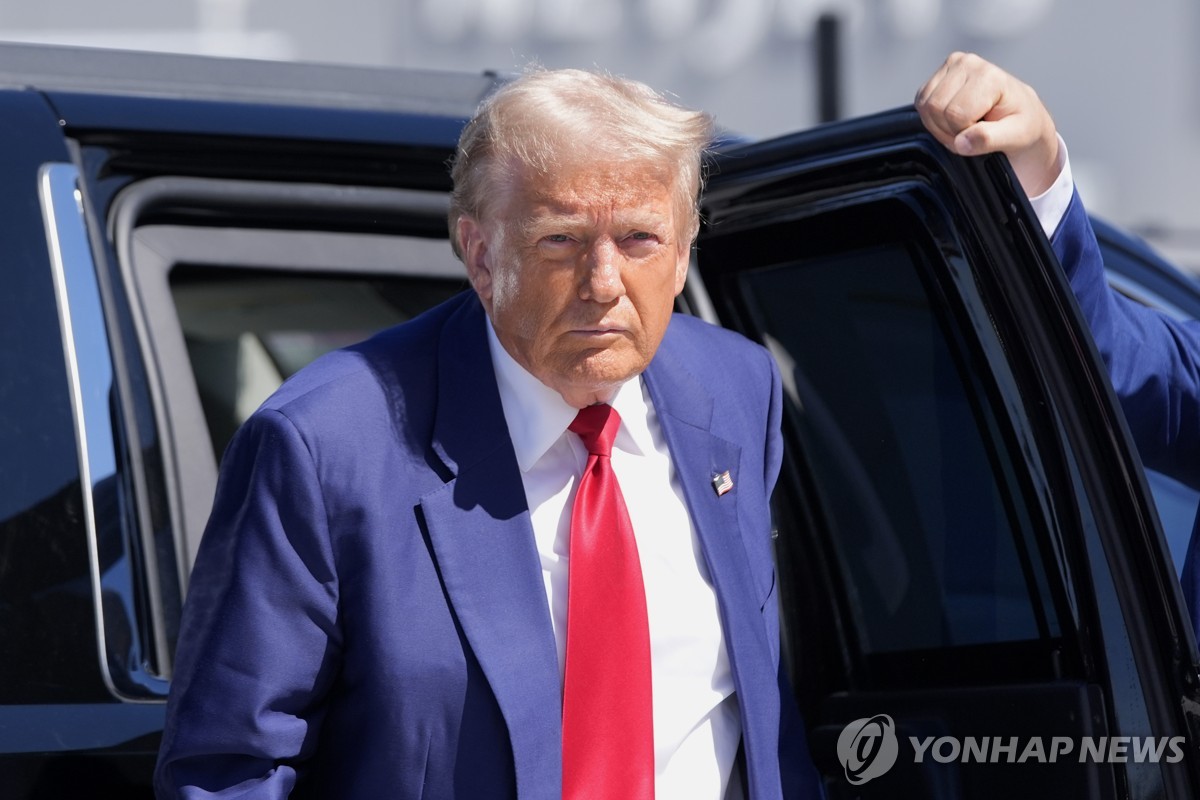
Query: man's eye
x=641, y=235
x=558, y=237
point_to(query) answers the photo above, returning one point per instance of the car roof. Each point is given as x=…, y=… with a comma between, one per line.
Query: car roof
x=83, y=70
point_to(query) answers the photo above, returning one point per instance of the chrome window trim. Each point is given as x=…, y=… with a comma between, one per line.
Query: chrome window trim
x=91, y=377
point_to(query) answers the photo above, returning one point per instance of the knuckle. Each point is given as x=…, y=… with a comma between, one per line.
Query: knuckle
x=958, y=115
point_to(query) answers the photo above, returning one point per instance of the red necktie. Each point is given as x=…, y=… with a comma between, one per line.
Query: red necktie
x=608, y=721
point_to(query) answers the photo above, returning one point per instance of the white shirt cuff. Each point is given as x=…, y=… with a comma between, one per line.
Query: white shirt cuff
x=1051, y=205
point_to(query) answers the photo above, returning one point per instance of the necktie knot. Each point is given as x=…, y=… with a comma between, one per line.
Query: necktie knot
x=597, y=426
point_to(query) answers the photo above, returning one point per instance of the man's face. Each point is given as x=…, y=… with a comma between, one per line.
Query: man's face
x=578, y=271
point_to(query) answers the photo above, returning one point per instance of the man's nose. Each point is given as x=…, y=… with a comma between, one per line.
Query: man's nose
x=601, y=281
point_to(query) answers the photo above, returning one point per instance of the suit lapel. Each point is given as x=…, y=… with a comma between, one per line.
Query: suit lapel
x=685, y=410
x=482, y=538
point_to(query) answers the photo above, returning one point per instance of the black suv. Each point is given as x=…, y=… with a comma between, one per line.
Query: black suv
x=965, y=538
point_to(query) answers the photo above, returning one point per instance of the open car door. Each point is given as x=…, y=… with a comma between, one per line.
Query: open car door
x=968, y=559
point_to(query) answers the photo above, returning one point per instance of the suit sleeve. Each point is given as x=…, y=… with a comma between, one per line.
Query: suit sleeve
x=259, y=636
x=1152, y=359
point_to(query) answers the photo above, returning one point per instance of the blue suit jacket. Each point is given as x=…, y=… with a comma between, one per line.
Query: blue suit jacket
x=1154, y=363
x=367, y=615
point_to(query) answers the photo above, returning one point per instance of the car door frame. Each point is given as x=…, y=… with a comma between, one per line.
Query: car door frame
x=1016, y=271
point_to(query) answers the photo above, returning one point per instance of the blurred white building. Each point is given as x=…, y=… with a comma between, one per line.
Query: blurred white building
x=1122, y=79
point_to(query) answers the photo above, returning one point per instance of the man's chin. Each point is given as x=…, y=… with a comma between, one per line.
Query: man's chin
x=591, y=384
x=607, y=370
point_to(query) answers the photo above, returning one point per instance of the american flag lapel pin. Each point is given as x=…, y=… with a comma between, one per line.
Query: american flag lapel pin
x=722, y=483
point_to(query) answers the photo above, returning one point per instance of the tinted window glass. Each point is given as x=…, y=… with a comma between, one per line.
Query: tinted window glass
x=914, y=477
x=227, y=309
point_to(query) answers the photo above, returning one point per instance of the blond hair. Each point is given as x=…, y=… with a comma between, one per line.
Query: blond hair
x=544, y=117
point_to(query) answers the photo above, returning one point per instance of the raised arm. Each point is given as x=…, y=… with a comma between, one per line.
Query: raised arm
x=974, y=107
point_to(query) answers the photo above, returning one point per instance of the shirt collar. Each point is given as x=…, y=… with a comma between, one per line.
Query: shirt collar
x=537, y=416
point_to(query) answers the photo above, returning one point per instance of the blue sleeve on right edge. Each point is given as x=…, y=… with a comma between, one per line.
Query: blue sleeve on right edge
x=1154, y=363
x=1152, y=359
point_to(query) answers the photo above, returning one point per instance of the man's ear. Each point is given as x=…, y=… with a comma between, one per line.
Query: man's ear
x=472, y=243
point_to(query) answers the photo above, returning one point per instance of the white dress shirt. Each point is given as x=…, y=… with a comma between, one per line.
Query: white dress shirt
x=697, y=728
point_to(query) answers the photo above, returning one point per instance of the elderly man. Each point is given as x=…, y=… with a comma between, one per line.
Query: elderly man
x=520, y=546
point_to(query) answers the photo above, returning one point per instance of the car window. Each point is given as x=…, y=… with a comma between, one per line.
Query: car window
x=247, y=330
x=912, y=488
x=1176, y=505
x=906, y=452
x=234, y=285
